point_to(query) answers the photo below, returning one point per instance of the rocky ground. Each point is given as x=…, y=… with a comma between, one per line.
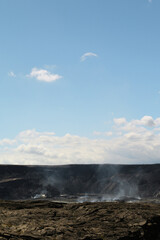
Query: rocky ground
x=88, y=221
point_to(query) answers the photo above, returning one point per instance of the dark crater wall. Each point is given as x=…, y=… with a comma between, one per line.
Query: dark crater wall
x=24, y=182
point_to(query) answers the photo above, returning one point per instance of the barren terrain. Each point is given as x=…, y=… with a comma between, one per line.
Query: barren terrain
x=87, y=221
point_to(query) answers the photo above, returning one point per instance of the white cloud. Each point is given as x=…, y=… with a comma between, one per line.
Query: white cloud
x=138, y=125
x=88, y=54
x=157, y=122
x=150, y=1
x=43, y=75
x=7, y=141
x=31, y=149
x=119, y=121
x=136, y=141
x=11, y=74
x=147, y=121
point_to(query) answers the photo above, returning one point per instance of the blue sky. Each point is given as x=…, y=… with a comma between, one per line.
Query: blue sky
x=84, y=71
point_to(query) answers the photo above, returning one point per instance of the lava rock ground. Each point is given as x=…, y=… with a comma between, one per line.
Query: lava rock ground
x=82, y=221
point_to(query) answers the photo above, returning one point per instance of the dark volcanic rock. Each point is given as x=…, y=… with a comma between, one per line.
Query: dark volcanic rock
x=87, y=221
x=115, y=181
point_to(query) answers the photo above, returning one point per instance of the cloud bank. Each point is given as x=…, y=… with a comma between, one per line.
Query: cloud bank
x=88, y=54
x=43, y=75
x=137, y=141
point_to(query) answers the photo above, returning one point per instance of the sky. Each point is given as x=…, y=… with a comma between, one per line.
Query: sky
x=79, y=82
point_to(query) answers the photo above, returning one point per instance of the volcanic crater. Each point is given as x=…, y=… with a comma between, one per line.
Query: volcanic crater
x=113, y=202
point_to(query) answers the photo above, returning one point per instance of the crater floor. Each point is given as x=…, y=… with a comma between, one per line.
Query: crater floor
x=43, y=219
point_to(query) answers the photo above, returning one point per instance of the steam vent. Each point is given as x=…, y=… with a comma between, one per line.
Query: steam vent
x=86, y=202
